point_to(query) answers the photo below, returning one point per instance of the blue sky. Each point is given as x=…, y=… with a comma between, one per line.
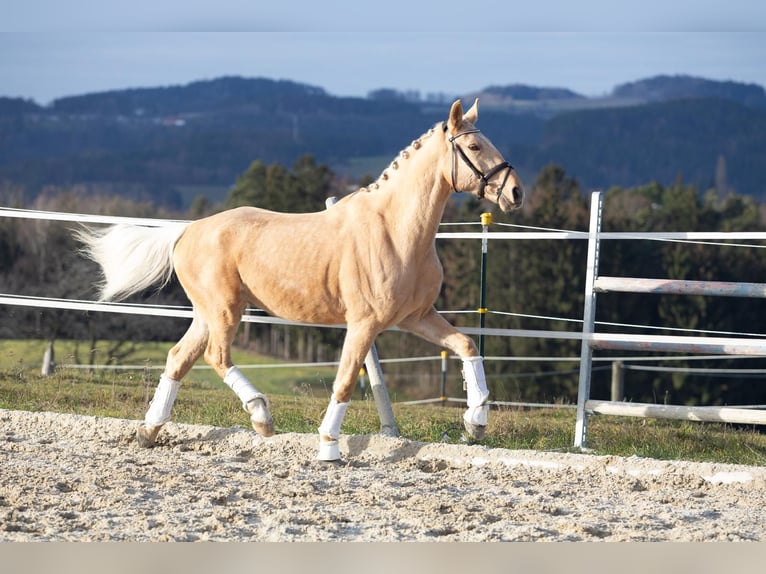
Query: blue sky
x=50, y=49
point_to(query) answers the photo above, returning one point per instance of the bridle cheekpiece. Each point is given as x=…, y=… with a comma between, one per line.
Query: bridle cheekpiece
x=483, y=177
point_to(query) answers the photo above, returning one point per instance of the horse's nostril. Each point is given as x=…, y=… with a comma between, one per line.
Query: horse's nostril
x=517, y=194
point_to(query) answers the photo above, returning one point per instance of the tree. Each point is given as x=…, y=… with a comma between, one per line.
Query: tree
x=544, y=278
x=274, y=187
x=46, y=262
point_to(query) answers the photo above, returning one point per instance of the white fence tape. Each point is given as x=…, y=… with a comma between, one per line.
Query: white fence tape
x=516, y=235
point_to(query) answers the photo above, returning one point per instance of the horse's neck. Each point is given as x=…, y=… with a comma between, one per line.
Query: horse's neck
x=414, y=195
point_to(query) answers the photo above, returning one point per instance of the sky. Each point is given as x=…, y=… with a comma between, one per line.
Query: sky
x=50, y=49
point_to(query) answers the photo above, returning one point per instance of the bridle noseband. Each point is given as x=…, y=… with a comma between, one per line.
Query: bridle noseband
x=483, y=177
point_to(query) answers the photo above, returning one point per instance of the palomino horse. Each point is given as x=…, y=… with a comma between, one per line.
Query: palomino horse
x=368, y=262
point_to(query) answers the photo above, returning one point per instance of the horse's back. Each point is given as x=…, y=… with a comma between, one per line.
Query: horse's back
x=284, y=262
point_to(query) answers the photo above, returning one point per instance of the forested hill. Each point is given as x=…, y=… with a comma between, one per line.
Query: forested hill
x=171, y=143
x=663, y=88
x=706, y=142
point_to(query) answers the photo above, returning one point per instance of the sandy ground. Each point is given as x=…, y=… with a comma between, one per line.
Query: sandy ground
x=68, y=477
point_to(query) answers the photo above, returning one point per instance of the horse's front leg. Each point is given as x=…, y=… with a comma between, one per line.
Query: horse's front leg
x=355, y=347
x=434, y=328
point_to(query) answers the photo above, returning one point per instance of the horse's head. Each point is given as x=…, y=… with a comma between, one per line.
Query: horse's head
x=475, y=165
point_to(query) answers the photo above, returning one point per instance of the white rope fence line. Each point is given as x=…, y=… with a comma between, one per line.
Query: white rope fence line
x=688, y=236
x=154, y=310
x=622, y=325
x=694, y=371
x=545, y=405
x=185, y=312
x=651, y=236
x=17, y=213
x=490, y=358
x=492, y=403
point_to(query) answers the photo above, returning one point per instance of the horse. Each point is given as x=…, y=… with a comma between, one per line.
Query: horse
x=368, y=262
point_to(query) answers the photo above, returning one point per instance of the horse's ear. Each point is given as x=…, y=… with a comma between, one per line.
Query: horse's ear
x=455, y=117
x=472, y=115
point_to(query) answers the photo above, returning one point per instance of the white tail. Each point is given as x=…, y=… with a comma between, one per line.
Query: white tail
x=132, y=258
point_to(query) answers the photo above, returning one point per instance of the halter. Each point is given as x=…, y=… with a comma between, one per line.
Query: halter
x=484, y=178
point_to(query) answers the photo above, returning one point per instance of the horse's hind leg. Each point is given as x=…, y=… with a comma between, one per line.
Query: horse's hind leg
x=223, y=328
x=433, y=327
x=180, y=360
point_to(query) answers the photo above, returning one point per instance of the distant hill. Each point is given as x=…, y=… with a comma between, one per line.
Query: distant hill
x=197, y=97
x=17, y=106
x=523, y=92
x=170, y=143
x=665, y=88
x=660, y=142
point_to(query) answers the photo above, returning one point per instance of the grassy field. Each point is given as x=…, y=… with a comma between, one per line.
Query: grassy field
x=300, y=395
x=26, y=357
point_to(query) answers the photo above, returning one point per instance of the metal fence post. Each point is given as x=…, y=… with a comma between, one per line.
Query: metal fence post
x=589, y=320
x=486, y=221
x=618, y=381
x=49, y=361
x=388, y=425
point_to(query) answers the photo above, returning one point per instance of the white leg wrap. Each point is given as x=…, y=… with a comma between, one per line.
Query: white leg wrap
x=328, y=451
x=475, y=381
x=242, y=387
x=164, y=397
x=333, y=418
x=476, y=388
x=477, y=416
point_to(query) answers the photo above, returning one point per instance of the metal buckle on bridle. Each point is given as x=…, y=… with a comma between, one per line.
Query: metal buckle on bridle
x=483, y=178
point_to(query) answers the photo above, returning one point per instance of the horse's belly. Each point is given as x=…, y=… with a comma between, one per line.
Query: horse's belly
x=299, y=301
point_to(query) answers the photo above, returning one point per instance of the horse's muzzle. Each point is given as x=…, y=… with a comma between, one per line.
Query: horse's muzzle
x=511, y=199
x=517, y=196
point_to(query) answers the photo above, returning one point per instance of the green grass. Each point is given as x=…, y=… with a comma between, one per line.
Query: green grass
x=299, y=397
x=25, y=356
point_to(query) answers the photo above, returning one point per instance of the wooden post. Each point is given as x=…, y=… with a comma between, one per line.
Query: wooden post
x=49, y=361
x=443, y=396
x=244, y=340
x=618, y=381
x=363, y=382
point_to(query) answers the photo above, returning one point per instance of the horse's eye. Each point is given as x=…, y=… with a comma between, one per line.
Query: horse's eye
x=474, y=147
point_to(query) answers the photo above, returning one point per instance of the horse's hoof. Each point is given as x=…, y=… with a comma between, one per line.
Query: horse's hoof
x=147, y=435
x=264, y=429
x=260, y=417
x=476, y=432
x=329, y=451
x=475, y=421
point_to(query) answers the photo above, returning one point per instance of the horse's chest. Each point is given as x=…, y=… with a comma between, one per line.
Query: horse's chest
x=407, y=281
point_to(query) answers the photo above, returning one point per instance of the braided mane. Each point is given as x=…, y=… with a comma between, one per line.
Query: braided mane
x=403, y=155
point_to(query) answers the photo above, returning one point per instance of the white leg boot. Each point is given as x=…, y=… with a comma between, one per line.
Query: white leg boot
x=329, y=431
x=255, y=403
x=475, y=417
x=159, y=410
